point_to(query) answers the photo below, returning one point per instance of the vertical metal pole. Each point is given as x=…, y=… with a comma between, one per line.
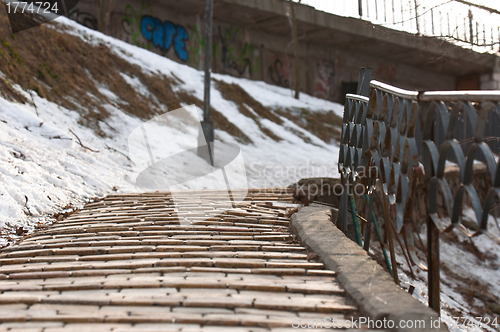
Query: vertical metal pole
x=295, y=36
x=368, y=226
x=360, y=8
x=385, y=11
x=440, y=23
x=393, y=13
x=449, y=28
x=389, y=230
x=357, y=229
x=365, y=76
x=477, y=33
x=484, y=34
x=208, y=58
x=377, y=230
x=492, y=37
x=432, y=19
x=342, y=218
x=465, y=29
x=411, y=13
x=402, y=15
x=424, y=22
x=416, y=17
x=433, y=264
x=207, y=125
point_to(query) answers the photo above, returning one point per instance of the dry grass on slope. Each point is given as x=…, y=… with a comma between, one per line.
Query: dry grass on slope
x=325, y=125
x=9, y=93
x=220, y=121
x=243, y=100
x=69, y=72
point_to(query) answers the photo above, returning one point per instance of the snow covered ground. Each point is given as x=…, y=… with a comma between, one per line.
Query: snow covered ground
x=469, y=270
x=48, y=161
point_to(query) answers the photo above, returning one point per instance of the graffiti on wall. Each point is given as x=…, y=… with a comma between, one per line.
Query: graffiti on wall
x=196, y=45
x=280, y=71
x=131, y=23
x=157, y=33
x=237, y=57
x=166, y=34
x=232, y=53
x=84, y=18
x=324, y=79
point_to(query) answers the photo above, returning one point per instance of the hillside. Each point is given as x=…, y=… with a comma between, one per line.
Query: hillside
x=71, y=96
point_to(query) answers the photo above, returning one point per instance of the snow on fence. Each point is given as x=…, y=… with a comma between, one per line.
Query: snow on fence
x=397, y=145
x=461, y=21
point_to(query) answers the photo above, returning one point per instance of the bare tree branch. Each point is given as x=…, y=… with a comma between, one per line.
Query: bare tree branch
x=80, y=142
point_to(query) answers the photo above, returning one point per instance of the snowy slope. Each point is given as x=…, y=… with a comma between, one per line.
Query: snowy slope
x=465, y=273
x=49, y=161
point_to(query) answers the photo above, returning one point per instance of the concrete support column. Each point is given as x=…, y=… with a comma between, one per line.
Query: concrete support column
x=491, y=81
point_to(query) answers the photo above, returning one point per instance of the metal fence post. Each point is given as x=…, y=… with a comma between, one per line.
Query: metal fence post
x=207, y=125
x=471, y=30
x=433, y=265
x=432, y=21
x=365, y=75
x=342, y=218
x=369, y=222
x=416, y=17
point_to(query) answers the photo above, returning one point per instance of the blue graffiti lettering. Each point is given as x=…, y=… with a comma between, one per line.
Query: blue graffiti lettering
x=170, y=32
x=159, y=34
x=163, y=35
x=180, y=43
x=147, y=27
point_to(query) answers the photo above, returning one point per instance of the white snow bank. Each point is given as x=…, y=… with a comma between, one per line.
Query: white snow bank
x=43, y=168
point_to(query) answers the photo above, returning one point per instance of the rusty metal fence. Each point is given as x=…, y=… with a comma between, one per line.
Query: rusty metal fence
x=464, y=22
x=395, y=140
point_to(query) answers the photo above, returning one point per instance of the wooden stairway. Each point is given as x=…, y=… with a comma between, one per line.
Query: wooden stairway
x=139, y=262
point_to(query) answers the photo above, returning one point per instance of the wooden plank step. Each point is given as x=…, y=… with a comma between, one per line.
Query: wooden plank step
x=132, y=261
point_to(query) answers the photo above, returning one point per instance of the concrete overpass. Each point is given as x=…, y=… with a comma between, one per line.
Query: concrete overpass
x=252, y=39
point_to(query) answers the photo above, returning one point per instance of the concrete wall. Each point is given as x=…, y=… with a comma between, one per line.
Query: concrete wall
x=248, y=52
x=491, y=81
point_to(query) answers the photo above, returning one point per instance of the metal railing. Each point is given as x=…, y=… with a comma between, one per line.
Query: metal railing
x=409, y=138
x=461, y=21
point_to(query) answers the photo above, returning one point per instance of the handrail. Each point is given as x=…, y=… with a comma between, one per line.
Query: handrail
x=408, y=136
x=406, y=94
x=362, y=99
x=489, y=9
x=465, y=95
x=478, y=96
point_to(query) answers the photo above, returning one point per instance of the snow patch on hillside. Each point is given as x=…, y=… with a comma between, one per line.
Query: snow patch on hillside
x=47, y=159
